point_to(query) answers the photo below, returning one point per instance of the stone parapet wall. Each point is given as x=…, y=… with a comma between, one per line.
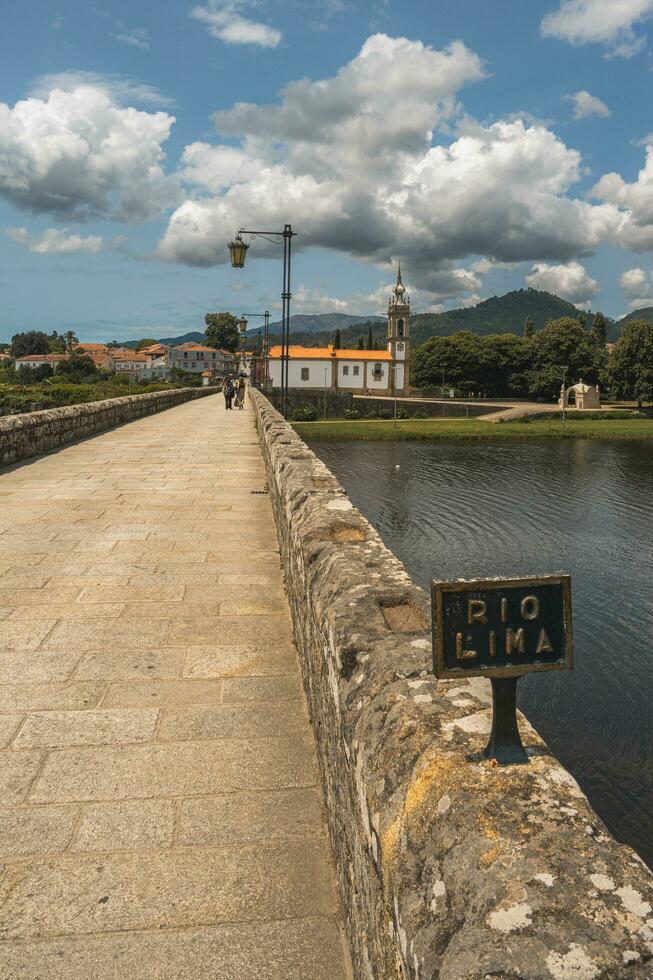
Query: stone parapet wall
x=448, y=866
x=22, y=436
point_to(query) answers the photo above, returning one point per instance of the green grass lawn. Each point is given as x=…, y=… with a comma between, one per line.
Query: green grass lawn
x=434, y=429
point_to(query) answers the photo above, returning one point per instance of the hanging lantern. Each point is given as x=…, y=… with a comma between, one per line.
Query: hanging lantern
x=242, y=324
x=238, y=251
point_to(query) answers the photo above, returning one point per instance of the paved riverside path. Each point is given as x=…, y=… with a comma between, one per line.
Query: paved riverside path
x=160, y=812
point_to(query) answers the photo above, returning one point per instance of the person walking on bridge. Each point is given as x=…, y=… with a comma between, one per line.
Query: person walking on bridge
x=228, y=392
x=240, y=394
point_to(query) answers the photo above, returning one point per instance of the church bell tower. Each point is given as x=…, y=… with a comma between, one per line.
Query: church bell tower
x=399, y=333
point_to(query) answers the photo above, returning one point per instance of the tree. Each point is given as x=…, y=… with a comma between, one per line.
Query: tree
x=457, y=356
x=582, y=319
x=77, y=368
x=599, y=330
x=42, y=372
x=146, y=342
x=370, y=340
x=503, y=360
x=24, y=375
x=30, y=342
x=221, y=331
x=337, y=342
x=529, y=327
x=71, y=338
x=630, y=368
x=56, y=343
x=361, y=344
x=562, y=343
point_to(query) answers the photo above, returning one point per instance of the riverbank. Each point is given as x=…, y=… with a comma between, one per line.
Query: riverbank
x=429, y=430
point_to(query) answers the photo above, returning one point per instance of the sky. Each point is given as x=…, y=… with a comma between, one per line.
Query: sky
x=488, y=145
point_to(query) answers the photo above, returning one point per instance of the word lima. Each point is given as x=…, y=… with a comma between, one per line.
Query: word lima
x=515, y=639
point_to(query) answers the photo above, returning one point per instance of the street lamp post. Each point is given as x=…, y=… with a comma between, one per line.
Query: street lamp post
x=564, y=372
x=266, y=342
x=238, y=252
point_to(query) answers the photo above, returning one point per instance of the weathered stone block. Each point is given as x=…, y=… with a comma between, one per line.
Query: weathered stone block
x=448, y=866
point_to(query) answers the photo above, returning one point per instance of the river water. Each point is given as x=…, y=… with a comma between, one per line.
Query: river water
x=466, y=510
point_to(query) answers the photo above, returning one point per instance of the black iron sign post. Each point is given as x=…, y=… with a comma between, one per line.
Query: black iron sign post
x=502, y=629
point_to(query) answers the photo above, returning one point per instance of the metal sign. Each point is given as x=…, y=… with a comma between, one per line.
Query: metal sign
x=502, y=627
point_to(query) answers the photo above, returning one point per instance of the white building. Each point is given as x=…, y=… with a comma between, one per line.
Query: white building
x=197, y=358
x=355, y=371
x=35, y=361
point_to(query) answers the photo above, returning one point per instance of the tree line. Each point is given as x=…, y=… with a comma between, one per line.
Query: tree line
x=531, y=365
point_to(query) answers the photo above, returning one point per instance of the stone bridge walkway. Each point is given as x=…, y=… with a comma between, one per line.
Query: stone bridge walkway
x=160, y=814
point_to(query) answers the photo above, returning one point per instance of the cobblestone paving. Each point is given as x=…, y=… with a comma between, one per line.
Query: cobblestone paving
x=160, y=812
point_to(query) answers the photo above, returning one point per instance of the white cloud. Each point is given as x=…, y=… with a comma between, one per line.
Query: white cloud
x=571, y=281
x=634, y=282
x=54, y=241
x=638, y=287
x=586, y=105
x=226, y=23
x=635, y=199
x=357, y=173
x=122, y=90
x=80, y=154
x=608, y=22
x=375, y=303
x=136, y=37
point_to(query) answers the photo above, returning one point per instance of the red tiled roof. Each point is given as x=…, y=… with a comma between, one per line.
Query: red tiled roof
x=198, y=347
x=322, y=353
x=131, y=356
x=45, y=358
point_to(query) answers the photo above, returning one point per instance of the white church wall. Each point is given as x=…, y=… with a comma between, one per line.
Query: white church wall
x=351, y=374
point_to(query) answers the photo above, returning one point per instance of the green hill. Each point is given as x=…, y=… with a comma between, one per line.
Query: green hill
x=646, y=313
x=498, y=314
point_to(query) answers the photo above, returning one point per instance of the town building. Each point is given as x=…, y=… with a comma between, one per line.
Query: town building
x=89, y=348
x=127, y=361
x=34, y=361
x=197, y=358
x=357, y=371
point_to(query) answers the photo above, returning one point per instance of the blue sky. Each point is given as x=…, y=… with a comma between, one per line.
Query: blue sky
x=488, y=144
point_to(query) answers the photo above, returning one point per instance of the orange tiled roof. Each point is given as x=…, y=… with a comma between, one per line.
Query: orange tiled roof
x=322, y=353
x=199, y=347
x=124, y=356
x=154, y=349
x=91, y=348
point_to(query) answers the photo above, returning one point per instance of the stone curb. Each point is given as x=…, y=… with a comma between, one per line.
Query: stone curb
x=448, y=866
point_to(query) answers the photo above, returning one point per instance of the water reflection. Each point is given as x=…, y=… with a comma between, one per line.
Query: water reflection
x=462, y=510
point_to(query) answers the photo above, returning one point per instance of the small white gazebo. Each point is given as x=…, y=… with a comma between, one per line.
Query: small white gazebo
x=580, y=396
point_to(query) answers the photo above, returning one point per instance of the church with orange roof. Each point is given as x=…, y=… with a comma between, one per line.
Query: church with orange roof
x=359, y=371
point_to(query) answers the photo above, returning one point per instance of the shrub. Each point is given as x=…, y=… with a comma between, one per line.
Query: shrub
x=307, y=413
x=352, y=413
x=386, y=413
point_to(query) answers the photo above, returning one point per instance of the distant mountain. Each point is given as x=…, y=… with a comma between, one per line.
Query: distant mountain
x=194, y=337
x=499, y=314
x=646, y=313
x=309, y=322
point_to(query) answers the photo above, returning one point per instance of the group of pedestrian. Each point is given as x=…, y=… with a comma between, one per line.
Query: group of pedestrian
x=234, y=389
